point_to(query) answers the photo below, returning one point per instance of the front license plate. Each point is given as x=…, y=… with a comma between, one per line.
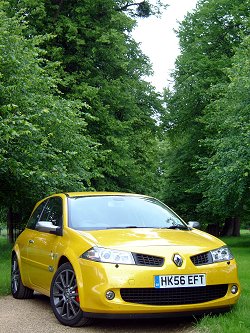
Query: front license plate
x=177, y=281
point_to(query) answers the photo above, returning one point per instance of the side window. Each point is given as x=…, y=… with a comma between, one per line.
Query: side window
x=53, y=211
x=35, y=217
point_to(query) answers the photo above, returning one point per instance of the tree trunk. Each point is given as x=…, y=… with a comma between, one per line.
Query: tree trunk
x=10, y=225
x=213, y=229
x=236, y=231
x=231, y=227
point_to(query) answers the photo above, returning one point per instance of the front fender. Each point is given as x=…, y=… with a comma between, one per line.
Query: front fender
x=71, y=257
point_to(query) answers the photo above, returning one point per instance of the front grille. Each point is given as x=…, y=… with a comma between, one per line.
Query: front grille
x=173, y=296
x=202, y=259
x=147, y=260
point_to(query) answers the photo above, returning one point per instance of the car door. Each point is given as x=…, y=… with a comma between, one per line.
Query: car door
x=27, y=238
x=42, y=249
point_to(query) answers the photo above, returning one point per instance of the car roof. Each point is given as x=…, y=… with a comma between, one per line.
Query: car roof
x=87, y=194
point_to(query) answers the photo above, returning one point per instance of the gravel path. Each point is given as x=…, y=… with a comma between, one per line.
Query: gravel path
x=36, y=316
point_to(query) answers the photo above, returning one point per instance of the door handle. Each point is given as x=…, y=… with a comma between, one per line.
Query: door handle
x=31, y=241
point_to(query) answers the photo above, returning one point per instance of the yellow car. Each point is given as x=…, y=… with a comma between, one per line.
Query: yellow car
x=120, y=255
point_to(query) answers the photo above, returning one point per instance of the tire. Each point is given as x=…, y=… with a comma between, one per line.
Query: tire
x=18, y=290
x=64, y=298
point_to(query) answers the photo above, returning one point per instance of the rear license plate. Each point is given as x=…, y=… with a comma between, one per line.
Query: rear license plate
x=177, y=281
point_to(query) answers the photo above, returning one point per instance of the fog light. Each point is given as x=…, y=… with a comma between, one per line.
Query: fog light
x=110, y=295
x=234, y=290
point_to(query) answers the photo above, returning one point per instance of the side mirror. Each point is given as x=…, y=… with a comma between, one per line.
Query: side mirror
x=49, y=227
x=194, y=224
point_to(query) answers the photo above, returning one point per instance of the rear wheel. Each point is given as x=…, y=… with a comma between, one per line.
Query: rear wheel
x=64, y=298
x=18, y=290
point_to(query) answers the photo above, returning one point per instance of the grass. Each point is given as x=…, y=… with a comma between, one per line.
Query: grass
x=238, y=320
x=5, y=250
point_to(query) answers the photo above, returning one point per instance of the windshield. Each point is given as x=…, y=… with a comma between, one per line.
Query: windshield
x=113, y=212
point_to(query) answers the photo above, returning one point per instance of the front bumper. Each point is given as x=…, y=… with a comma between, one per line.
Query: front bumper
x=98, y=278
x=189, y=313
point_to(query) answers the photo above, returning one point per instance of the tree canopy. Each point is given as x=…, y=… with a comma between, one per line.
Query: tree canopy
x=103, y=67
x=43, y=142
x=207, y=118
x=76, y=111
x=78, y=114
x=225, y=180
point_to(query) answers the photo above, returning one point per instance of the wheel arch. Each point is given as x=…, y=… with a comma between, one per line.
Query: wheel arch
x=16, y=252
x=62, y=261
x=70, y=257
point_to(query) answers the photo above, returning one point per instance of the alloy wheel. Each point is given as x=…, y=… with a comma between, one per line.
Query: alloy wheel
x=15, y=275
x=65, y=295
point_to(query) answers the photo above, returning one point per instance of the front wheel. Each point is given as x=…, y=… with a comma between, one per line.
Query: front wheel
x=18, y=290
x=64, y=298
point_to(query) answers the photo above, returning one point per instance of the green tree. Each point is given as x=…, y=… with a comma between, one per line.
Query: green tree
x=225, y=181
x=208, y=39
x=103, y=66
x=43, y=144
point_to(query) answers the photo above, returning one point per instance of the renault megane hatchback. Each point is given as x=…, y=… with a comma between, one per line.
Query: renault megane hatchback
x=118, y=255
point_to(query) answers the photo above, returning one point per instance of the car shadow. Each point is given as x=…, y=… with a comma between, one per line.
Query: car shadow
x=180, y=324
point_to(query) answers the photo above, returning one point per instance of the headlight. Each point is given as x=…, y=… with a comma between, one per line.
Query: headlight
x=221, y=254
x=108, y=255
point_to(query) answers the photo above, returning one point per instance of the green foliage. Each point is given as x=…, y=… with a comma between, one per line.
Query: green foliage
x=209, y=38
x=225, y=180
x=102, y=65
x=77, y=113
x=43, y=144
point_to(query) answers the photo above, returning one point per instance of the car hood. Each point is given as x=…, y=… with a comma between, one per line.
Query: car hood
x=141, y=239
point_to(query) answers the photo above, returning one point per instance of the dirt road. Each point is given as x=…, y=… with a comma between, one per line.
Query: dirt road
x=35, y=316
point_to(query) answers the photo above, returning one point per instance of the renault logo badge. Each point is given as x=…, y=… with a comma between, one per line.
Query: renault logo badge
x=177, y=259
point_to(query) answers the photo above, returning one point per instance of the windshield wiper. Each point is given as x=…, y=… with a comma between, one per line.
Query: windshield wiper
x=127, y=227
x=178, y=226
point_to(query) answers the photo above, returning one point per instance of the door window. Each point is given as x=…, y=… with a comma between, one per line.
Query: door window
x=35, y=217
x=52, y=212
